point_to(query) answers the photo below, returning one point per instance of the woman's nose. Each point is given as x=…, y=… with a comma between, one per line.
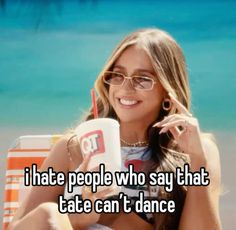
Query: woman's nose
x=127, y=85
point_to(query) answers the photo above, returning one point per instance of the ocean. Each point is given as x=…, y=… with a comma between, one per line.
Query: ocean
x=50, y=55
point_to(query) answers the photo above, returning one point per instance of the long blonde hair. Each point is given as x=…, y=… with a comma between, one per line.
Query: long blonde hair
x=166, y=57
x=169, y=65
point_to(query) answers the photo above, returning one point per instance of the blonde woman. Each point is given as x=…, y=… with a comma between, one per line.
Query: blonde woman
x=144, y=86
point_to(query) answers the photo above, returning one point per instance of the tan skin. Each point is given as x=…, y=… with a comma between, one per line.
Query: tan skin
x=40, y=195
x=134, y=121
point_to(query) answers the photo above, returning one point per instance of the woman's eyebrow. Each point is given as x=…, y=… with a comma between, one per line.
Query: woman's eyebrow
x=136, y=70
x=145, y=70
x=119, y=66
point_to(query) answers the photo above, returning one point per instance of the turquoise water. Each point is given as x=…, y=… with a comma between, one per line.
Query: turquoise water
x=50, y=56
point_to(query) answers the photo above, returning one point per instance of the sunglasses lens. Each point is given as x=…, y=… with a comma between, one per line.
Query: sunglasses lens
x=113, y=78
x=142, y=83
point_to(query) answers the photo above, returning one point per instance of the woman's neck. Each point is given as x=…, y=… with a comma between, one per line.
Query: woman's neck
x=133, y=132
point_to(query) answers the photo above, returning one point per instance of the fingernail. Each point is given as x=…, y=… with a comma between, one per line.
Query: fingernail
x=161, y=131
x=157, y=124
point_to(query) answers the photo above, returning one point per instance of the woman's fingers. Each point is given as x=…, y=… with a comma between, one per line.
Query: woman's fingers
x=95, y=169
x=85, y=162
x=181, y=108
x=175, y=132
x=167, y=119
x=86, y=190
x=104, y=193
x=167, y=126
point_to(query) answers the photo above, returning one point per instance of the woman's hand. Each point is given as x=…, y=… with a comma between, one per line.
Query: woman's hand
x=203, y=153
x=188, y=137
x=83, y=220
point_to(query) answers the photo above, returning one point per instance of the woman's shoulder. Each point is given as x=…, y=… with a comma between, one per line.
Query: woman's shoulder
x=210, y=145
x=211, y=151
x=213, y=159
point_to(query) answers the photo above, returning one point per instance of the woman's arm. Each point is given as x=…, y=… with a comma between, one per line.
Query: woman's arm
x=59, y=160
x=40, y=209
x=201, y=208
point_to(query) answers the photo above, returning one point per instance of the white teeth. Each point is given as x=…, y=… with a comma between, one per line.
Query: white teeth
x=128, y=102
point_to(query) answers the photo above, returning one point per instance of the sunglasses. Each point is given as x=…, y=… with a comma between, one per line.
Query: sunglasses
x=139, y=82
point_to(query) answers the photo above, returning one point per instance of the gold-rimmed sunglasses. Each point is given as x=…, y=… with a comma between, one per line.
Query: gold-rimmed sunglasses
x=139, y=82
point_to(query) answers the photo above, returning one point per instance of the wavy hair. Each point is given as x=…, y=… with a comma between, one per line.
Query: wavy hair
x=169, y=65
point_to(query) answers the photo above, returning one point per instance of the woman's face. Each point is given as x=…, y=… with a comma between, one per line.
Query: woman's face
x=133, y=105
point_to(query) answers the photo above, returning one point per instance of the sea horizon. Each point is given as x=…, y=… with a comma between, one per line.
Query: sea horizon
x=46, y=72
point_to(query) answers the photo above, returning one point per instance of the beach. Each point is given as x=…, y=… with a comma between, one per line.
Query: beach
x=50, y=56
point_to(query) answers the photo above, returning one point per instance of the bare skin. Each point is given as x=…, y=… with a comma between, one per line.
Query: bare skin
x=134, y=121
x=37, y=207
x=202, y=153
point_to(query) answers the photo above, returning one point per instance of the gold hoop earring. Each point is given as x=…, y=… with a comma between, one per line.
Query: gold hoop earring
x=166, y=104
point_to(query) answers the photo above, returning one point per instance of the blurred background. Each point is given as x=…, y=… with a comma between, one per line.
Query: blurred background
x=51, y=51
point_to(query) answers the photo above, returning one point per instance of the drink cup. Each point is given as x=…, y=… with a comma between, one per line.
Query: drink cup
x=101, y=139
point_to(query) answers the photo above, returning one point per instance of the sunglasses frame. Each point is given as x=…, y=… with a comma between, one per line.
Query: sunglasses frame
x=128, y=78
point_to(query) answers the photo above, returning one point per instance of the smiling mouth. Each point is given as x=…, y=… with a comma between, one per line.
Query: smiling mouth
x=127, y=102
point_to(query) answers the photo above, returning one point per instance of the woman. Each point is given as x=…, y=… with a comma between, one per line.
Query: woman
x=144, y=86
